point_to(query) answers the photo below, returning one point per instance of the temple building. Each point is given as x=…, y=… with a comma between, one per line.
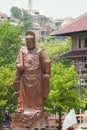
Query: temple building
x=77, y=30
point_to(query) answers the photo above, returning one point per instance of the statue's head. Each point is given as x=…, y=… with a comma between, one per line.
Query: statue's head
x=30, y=40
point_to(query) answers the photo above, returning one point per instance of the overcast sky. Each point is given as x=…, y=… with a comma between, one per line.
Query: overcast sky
x=50, y=8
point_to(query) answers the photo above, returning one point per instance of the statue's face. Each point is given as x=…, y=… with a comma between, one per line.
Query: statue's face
x=30, y=43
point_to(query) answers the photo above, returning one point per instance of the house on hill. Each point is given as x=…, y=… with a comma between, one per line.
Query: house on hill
x=77, y=30
x=3, y=17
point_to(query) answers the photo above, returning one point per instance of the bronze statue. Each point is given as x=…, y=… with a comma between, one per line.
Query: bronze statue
x=31, y=85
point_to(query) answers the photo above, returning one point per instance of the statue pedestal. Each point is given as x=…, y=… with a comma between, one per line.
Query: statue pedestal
x=37, y=120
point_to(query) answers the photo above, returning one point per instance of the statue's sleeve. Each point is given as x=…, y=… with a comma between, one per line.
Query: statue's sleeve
x=46, y=69
x=19, y=62
x=16, y=82
x=45, y=63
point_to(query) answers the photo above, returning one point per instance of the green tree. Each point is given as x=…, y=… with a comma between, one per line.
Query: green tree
x=27, y=21
x=23, y=15
x=9, y=42
x=64, y=93
x=7, y=99
x=54, y=50
x=9, y=45
x=7, y=75
x=16, y=12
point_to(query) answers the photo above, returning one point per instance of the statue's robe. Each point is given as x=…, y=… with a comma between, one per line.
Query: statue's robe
x=33, y=87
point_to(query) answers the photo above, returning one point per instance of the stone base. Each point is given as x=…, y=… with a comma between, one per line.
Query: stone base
x=21, y=120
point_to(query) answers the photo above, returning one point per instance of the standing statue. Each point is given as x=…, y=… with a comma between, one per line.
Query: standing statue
x=31, y=85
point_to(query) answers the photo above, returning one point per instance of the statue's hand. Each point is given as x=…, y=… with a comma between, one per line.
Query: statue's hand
x=21, y=68
x=46, y=76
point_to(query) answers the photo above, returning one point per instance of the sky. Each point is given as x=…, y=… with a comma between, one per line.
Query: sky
x=50, y=8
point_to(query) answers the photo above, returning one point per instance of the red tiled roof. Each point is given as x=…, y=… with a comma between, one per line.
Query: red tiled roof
x=74, y=54
x=77, y=25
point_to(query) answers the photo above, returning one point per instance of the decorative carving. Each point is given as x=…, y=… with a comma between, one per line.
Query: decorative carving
x=21, y=120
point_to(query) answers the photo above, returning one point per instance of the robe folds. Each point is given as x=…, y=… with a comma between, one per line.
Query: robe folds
x=33, y=88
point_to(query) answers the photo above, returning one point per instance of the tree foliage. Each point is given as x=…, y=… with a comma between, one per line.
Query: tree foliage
x=23, y=15
x=64, y=93
x=9, y=42
x=7, y=98
x=27, y=22
x=16, y=12
x=55, y=50
x=9, y=45
x=7, y=76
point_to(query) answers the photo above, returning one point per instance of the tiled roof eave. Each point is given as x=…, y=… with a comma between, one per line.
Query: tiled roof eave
x=69, y=33
x=71, y=57
x=77, y=25
x=74, y=54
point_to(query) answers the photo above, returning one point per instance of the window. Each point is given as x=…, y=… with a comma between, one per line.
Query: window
x=79, y=42
x=85, y=61
x=85, y=44
x=85, y=65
